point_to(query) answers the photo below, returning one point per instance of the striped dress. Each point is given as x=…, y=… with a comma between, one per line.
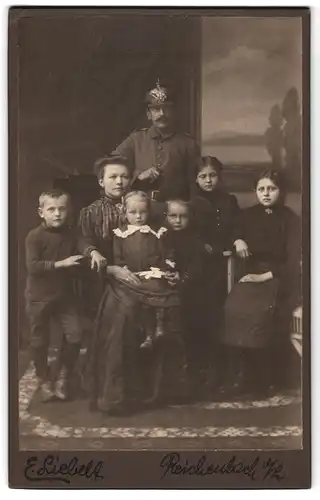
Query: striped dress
x=97, y=222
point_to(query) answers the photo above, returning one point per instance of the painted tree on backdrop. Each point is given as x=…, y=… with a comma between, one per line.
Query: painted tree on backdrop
x=274, y=137
x=283, y=136
x=292, y=134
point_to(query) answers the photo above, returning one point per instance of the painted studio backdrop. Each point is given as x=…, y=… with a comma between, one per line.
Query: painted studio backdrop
x=237, y=83
x=251, y=92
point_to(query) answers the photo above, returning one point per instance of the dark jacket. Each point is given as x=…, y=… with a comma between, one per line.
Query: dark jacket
x=215, y=214
x=187, y=251
x=44, y=247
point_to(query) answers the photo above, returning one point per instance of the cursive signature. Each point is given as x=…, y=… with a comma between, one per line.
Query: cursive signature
x=51, y=468
x=172, y=464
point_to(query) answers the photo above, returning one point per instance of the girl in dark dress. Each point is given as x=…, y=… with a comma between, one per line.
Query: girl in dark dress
x=215, y=209
x=257, y=312
x=215, y=213
x=139, y=247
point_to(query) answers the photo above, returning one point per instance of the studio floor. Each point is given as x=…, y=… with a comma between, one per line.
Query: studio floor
x=274, y=423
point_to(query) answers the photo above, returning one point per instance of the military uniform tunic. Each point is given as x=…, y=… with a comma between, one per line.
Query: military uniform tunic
x=175, y=155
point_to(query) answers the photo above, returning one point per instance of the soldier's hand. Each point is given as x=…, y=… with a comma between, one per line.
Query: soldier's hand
x=150, y=174
x=73, y=260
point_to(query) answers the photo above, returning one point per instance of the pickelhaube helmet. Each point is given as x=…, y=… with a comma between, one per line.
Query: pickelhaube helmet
x=159, y=96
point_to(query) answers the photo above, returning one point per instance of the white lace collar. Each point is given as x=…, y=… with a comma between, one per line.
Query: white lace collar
x=131, y=229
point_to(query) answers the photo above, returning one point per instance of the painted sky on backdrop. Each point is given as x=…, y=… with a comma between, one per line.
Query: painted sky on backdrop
x=248, y=64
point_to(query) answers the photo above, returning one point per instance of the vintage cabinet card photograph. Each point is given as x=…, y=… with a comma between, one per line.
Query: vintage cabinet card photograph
x=159, y=248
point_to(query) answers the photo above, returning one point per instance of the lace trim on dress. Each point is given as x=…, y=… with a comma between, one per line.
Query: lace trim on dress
x=131, y=229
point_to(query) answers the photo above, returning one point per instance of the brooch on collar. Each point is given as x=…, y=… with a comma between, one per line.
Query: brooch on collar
x=268, y=211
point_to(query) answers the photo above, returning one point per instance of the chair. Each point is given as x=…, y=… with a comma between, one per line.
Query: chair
x=230, y=269
x=296, y=332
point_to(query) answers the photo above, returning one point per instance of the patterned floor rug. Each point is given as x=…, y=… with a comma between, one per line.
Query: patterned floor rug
x=272, y=423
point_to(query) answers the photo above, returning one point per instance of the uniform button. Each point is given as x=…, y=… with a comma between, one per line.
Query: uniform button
x=160, y=147
x=218, y=210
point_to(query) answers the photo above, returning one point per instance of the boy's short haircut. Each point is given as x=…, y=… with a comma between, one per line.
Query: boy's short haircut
x=52, y=193
x=101, y=163
x=179, y=201
x=137, y=194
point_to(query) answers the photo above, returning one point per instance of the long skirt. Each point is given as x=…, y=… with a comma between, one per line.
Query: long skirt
x=118, y=372
x=249, y=314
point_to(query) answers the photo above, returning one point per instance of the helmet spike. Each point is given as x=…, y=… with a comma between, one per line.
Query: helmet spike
x=158, y=96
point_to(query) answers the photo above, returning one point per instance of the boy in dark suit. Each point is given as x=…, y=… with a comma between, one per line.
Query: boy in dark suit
x=52, y=254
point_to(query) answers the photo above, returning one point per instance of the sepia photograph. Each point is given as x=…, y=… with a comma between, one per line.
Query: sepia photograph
x=181, y=133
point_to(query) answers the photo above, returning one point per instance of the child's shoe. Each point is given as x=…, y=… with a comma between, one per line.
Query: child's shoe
x=159, y=332
x=61, y=386
x=45, y=391
x=147, y=343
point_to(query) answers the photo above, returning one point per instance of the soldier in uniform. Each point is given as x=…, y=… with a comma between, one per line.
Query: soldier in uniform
x=164, y=160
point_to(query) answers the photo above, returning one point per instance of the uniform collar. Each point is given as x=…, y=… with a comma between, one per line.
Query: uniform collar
x=156, y=134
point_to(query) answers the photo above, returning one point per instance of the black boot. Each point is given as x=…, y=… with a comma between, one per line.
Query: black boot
x=69, y=358
x=234, y=386
x=260, y=375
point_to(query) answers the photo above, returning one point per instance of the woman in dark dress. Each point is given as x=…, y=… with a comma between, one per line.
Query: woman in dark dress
x=215, y=213
x=118, y=377
x=257, y=312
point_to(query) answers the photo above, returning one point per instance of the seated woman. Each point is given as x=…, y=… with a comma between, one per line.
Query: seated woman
x=215, y=213
x=258, y=310
x=118, y=377
x=96, y=223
